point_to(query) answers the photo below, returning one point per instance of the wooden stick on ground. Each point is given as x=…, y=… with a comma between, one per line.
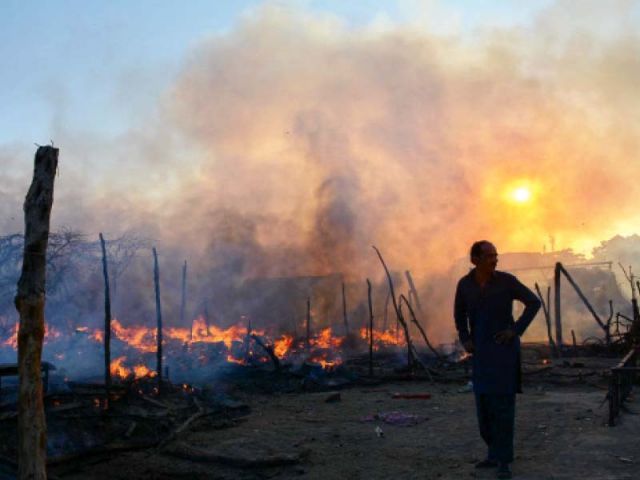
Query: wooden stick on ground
x=29, y=302
x=107, y=324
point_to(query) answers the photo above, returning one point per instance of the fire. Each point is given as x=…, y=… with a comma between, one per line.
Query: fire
x=50, y=333
x=118, y=369
x=382, y=337
x=232, y=359
x=325, y=362
x=464, y=356
x=98, y=336
x=141, y=338
x=326, y=340
x=140, y=371
x=282, y=346
x=209, y=334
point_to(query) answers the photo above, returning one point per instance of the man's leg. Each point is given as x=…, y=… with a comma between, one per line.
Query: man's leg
x=503, y=409
x=486, y=423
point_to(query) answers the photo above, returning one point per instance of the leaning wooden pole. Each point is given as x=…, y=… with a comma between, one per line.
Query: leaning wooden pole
x=547, y=317
x=370, y=328
x=417, y=324
x=29, y=302
x=410, y=356
x=156, y=280
x=107, y=324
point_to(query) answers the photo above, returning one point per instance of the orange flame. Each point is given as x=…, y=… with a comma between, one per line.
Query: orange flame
x=384, y=337
x=141, y=338
x=282, y=346
x=326, y=340
x=118, y=369
x=50, y=333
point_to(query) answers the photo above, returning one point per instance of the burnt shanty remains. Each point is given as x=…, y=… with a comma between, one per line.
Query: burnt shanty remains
x=137, y=363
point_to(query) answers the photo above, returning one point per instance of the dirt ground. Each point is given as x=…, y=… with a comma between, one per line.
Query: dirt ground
x=561, y=433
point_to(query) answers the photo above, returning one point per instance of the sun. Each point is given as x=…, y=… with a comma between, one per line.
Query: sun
x=521, y=194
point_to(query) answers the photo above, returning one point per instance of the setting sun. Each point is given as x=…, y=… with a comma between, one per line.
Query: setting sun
x=521, y=195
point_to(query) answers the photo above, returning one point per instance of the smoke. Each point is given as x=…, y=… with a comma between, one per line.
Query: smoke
x=332, y=139
x=292, y=143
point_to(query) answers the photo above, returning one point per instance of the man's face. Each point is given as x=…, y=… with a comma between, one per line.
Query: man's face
x=488, y=259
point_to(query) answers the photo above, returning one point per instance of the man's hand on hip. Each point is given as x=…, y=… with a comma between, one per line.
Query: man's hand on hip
x=505, y=337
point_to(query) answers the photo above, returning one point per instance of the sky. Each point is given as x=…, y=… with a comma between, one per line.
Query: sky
x=68, y=61
x=310, y=130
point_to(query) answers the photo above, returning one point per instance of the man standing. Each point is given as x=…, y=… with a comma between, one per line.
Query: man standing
x=485, y=324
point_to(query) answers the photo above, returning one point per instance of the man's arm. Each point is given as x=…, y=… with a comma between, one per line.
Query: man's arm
x=531, y=305
x=461, y=315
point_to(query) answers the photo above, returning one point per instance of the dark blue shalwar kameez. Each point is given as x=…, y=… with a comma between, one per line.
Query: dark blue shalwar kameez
x=480, y=313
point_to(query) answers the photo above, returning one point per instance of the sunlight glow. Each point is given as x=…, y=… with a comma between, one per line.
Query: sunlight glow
x=521, y=195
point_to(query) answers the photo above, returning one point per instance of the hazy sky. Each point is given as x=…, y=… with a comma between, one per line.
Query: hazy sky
x=68, y=61
x=325, y=126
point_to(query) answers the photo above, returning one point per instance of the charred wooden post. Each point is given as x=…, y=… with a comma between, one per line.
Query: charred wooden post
x=156, y=280
x=370, y=328
x=414, y=292
x=608, y=332
x=582, y=297
x=269, y=349
x=386, y=312
x=308, y=337
x=247, y=342
x=634, y=331
x=547, y=317
x=107, y=323
x=183, y=300
x=400, y=318
x=558, y=318
x=30, y=302
x=344, y=311
x=206, y=317
x=575, y=343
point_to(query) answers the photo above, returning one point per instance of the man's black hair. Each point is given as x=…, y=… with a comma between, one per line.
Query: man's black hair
x=476, y=248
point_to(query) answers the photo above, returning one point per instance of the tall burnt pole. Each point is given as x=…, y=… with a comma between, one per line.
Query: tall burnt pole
x=107, y=323
x=156, y=279
x=308, y=339
x=344, y=311
x=30, y=302
x=183, y=302
x=370, y=327
x=557, y=298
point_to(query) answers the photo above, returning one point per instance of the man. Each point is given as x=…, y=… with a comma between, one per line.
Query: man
x=485, y=324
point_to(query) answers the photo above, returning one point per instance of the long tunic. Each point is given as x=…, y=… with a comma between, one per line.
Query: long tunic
x=480, y=313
